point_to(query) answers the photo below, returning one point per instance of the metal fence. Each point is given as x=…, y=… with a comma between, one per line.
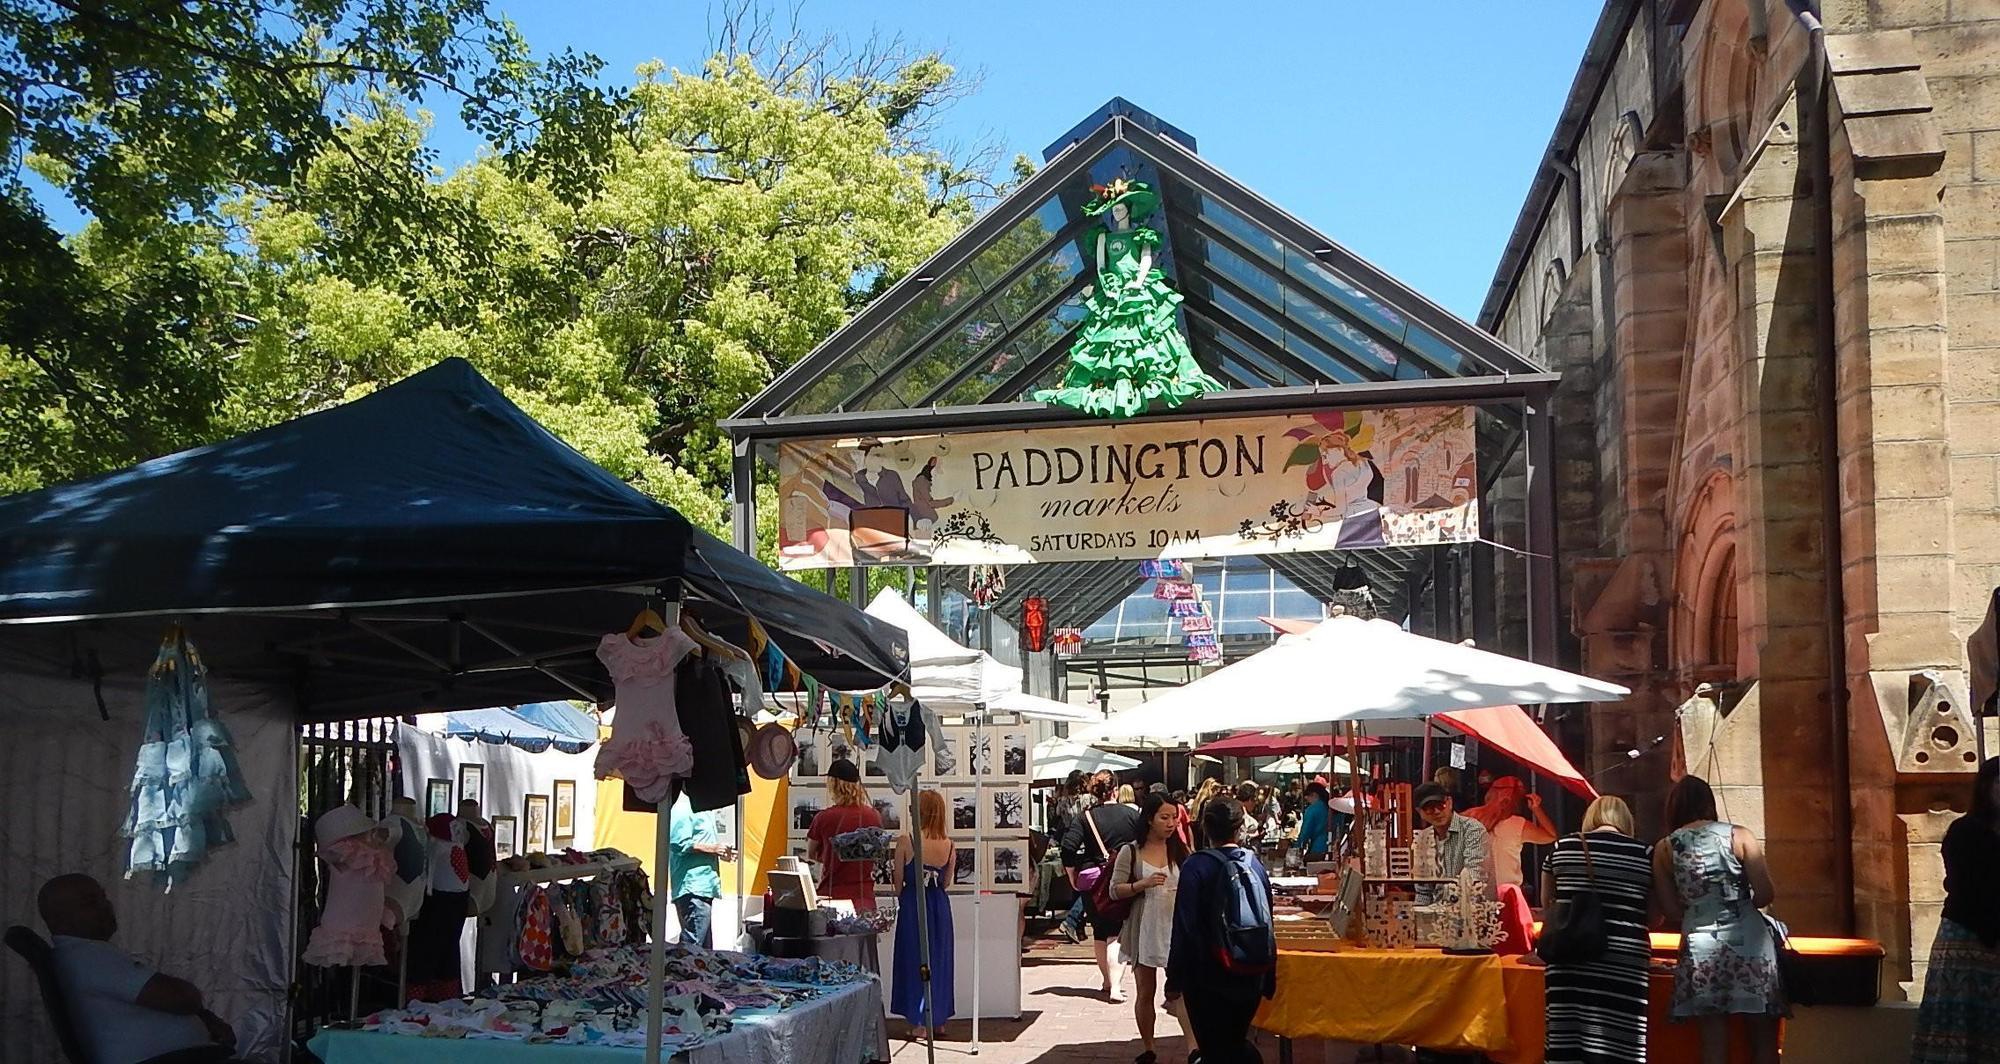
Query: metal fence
x=351, y=760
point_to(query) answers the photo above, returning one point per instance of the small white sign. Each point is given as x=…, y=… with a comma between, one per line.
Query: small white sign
x=1458, y=755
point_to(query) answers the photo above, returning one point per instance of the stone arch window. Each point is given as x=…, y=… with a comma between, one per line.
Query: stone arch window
x=1726, y=86
x=1554, y=276
x=1705, y=617
x=1625, y=139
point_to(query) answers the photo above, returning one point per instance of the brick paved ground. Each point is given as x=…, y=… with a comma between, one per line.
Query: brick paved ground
x=1064, y=1020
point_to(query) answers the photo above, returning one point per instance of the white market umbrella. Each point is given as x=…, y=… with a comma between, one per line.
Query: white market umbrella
x=1307, y=765
x=1351, y=669
x=1055, y=759
x=1035, y=707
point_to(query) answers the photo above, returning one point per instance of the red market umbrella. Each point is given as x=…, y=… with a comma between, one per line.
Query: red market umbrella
x=1511, y=731
x=1260, y=744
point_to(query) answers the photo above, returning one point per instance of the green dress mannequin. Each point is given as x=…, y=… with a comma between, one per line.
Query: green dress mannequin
x=1130, y=351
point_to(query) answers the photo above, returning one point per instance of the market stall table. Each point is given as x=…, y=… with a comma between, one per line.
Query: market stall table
x=844, y=1025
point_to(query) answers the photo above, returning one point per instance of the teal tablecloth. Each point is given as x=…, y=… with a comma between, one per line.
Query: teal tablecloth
x=849, y=1018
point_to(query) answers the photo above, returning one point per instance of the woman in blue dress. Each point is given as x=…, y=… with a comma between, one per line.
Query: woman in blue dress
x=923, y=864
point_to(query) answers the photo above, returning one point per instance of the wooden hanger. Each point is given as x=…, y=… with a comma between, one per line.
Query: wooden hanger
x=715, y=646
x=648, y=619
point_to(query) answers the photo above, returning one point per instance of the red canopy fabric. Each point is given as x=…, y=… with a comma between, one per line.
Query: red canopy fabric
x=1505, y=728
x=1512, y=732
x=1258, y=744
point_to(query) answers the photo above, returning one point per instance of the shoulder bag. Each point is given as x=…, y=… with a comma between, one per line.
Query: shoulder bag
x=1574, y=931
x=1101, y=902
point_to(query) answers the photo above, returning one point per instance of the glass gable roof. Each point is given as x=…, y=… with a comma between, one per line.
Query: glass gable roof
x=990, y=318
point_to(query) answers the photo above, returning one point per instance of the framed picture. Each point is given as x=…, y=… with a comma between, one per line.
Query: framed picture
x=437, y=798
x=805, y=806
x=979, y=752
x=1014, y=754
x=1007, y=865
x=890, y=809
x=866, y=760
x=535, y=823
x=506, y=835
x=812, y=761
x=965, y=869
x=565, y=809
x=964, y=808
x=883, y=876
x=946, y=754
x=472, y=783
x=1007, y=808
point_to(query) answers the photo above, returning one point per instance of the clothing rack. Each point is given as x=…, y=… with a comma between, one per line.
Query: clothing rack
x=495, y=926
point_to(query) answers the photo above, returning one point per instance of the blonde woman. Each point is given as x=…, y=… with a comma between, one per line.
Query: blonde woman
x=923, y=866
x=850, y=811
x=1209, y=788
x=1597, y=1008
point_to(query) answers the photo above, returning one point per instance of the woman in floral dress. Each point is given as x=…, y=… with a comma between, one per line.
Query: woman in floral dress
x=1710, y=877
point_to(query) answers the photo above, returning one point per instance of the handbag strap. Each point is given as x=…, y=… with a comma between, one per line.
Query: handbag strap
x=1589, y=869
x=1104, y=852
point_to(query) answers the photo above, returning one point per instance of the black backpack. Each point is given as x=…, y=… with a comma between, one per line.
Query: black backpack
x=1245, y=945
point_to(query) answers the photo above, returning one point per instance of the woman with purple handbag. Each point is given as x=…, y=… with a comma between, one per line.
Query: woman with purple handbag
x=1092, y=843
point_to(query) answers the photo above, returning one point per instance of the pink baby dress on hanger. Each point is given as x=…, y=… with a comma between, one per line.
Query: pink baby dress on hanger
x=647, y=748
x=360, y=856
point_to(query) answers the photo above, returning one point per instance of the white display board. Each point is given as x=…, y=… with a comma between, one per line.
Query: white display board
x=995, y=920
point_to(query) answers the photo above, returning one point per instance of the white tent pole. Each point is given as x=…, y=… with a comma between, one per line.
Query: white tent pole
x=978, y=837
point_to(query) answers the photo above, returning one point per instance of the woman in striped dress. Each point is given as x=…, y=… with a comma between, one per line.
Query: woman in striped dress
x=1597, y=1011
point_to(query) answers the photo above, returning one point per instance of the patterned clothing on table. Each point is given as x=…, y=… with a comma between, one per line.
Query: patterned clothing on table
x=1728, y=962
x=647, y=748
x=1959, y=1022
x=1597, y=1011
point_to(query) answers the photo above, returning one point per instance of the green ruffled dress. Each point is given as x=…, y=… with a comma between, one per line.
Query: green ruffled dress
x=1130, y=351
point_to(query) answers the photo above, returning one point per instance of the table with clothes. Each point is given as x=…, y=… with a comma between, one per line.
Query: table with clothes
x=719, y=1007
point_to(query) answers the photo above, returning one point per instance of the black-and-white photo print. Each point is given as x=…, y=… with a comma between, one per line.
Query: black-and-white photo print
x=890, y=810
x=805, y=807
x=944, y=754
x=979, y=752
x=1010, y=808
x=812, y=754
x=965, y=870
x=964, y=810
x=1007, y=863
x=1014, y=754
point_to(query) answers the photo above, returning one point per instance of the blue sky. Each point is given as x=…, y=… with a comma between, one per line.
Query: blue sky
x=1406, y=131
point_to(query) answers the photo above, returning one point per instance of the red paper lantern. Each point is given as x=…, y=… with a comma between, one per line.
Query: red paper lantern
x=1035, y=623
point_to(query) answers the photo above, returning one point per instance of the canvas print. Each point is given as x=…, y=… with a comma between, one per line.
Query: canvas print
x=1014, y=754
x=565, y=809
x=979, y=752
x=535, y=823
x=437, y=798
x=472, y=783
x=890, y=809
x=1007, y=808
x=945, y=754
x=506, y=836
x=1007, y=864
x=964, y=810
x=965, y=869
x=806, y=806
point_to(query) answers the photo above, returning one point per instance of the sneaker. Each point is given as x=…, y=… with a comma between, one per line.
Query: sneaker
x=1073, y=933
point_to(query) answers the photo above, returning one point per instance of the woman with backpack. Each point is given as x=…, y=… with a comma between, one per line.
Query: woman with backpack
x=1088, y=850
x=1147, y=873
x=1224, y=956
x=1597, y=1004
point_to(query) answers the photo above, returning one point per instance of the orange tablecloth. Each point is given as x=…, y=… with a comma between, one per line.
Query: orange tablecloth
x=1484, y=1004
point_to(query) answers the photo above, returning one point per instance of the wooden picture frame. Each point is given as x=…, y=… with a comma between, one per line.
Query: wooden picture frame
x=506, y=836
x=565, y=810
x=535, y=823
x=1007, y=867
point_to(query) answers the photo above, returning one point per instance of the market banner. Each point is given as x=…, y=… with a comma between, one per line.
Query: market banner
x=1134, y=490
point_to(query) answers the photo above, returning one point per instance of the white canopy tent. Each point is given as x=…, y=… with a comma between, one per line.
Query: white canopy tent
x=944, y=674
x=1348, y=669
x=1056, y=758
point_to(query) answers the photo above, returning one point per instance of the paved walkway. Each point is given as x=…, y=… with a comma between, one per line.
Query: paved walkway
x=1064, y=1020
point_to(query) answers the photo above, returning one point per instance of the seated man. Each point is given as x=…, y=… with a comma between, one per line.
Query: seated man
x=123, y=1011
x=1460, y=840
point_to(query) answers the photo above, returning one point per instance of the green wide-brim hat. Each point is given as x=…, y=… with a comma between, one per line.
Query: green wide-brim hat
x=1137, y=196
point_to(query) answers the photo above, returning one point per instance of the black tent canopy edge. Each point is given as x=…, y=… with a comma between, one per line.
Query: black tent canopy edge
x=427, y=547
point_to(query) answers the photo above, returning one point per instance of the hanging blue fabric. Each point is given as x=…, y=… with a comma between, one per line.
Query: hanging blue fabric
x=773, y=662
x=186, y=774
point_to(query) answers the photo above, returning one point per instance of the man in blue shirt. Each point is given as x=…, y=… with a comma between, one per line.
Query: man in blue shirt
x=1314, y=824
x=1220, y=1003
x=695, y=852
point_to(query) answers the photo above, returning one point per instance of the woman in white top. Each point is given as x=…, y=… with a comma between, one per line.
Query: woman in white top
x=1148, y=871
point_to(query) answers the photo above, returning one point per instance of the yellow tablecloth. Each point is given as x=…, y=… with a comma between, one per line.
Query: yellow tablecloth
x=1388, y=997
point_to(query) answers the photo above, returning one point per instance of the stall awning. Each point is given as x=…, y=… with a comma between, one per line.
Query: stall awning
x=427, y=547
x=1512, y=732
x=534, y=727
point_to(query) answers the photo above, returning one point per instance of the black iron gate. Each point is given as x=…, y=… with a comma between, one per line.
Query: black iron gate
x=340, y=761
